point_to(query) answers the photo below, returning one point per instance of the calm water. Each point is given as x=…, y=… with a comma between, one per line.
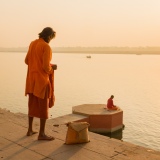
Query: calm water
x=134, y=80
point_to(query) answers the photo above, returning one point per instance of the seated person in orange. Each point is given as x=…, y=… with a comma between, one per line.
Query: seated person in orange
x=110, y=104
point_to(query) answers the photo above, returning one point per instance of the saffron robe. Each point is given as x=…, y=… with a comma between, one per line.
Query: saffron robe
x=110, y=103
x=39, y=69
x=40, y=79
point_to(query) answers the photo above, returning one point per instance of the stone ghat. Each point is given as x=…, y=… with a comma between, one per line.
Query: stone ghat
x=15, y=145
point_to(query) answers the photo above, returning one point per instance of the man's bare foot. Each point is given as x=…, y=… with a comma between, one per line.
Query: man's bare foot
x=30, y=133
x=45, y=137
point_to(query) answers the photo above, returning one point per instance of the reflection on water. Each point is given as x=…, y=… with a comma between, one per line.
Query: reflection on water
x=134, y=81
x=117, y=134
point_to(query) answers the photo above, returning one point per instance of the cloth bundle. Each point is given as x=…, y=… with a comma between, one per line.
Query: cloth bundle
x=77, y=133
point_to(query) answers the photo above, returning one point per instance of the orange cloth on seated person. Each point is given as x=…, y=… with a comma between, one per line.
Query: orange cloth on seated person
x=110, y=103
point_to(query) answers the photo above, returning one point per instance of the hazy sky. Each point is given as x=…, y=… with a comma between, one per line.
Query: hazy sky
x=81, y=22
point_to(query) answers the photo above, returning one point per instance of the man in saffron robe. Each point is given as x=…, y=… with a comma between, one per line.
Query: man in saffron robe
x=39, y=88
x=110, y=104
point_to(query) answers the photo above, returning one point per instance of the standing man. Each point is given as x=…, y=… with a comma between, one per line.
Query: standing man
x=39, y=81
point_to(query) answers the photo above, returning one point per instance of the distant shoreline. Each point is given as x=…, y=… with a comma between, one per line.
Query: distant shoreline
x=95, y=50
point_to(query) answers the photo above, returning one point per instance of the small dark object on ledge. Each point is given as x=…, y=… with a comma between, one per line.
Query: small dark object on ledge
x=56, y=125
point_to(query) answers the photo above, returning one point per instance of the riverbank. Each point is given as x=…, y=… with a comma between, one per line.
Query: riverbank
x=94, y=50
x=14, y=144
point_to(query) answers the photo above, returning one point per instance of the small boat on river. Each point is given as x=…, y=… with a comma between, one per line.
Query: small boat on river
x=88, y=56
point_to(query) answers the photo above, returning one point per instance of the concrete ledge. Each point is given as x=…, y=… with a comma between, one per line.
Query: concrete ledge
x=15, y=145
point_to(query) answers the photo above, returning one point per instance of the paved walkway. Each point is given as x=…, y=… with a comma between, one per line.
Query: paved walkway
x=14, y=145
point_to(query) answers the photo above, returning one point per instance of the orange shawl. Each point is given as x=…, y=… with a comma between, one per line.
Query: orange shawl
x=39, y=69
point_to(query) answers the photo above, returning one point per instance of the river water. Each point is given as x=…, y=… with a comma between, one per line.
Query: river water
x=134, y=80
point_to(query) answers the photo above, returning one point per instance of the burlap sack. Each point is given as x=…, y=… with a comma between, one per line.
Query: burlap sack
x=77, y=133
